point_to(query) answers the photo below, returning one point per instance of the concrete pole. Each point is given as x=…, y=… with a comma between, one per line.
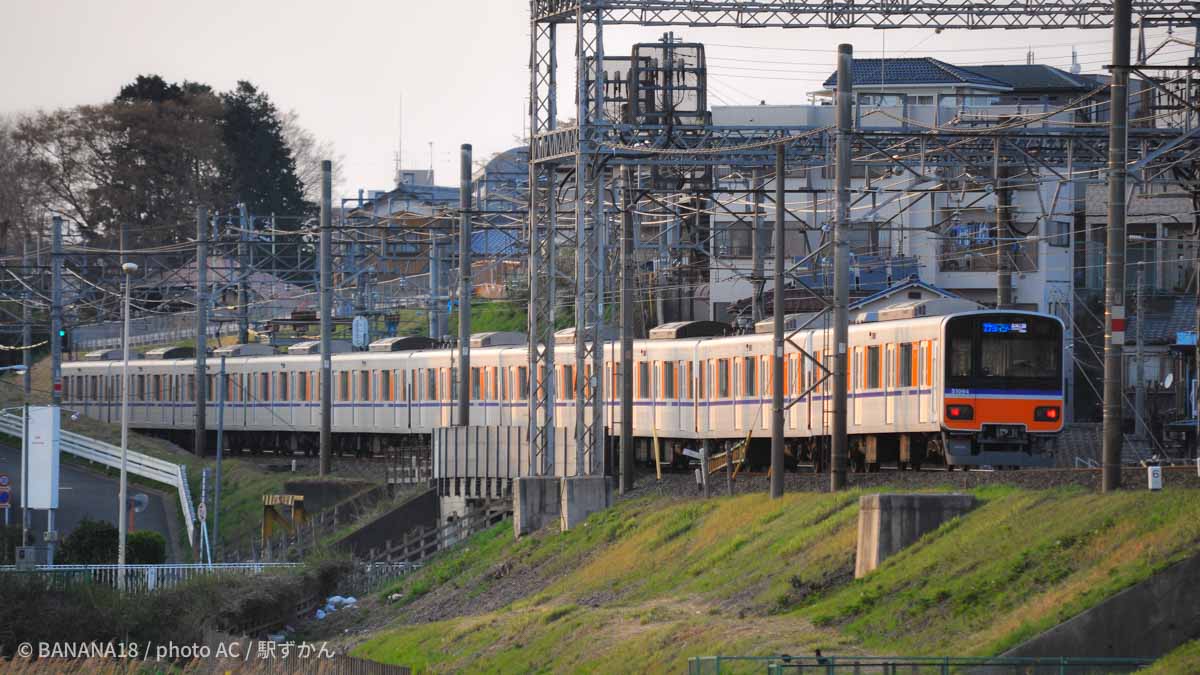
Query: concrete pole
x=1114, y=264
x=435, y=277
x=777, y=442
x=326, y=309
x=200, y=443
x=1139, y=405
x=56, y=318
x=626, y=483
x=464, y=286
x=841, y=267
x=757, y=251
x=216, y=532
x=1004, y=287
x=243, y=275
x=27, y=361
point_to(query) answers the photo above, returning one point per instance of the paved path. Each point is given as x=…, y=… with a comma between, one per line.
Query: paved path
x=84, y=493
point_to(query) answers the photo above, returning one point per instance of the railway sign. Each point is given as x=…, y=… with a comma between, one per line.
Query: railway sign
x=5, y=497
x=360, y=331
x=1154, y=473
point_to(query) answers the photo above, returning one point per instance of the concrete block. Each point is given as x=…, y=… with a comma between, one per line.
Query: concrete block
x=889, y=522
x=535, y=503
x=582, y=496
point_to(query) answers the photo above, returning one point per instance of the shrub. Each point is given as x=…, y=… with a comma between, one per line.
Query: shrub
x=92, y=542
x=146, y=547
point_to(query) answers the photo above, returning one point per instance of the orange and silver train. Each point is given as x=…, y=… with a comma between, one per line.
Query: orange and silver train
x=971, y=388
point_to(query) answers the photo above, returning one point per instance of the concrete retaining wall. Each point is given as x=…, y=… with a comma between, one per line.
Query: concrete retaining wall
x=1146, y=620
x=888, y=523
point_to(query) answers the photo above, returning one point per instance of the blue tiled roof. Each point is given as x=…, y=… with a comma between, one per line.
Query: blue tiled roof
x=910, y=71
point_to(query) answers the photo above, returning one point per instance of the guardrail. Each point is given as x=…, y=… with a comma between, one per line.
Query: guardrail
x=139, y=578
x=138, y=464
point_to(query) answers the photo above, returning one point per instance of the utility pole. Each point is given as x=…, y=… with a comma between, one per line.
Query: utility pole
x=326, y=308
x=27, y=361
x=243, y=275
x=220, y=451
x=56, y=318
x=626, y=483
x=200, y=391
x=841, y=267
x=464, y=286
x=757, y=251
x=1139, y=413
x=1004, y=287
x=780, y=310
x=1114, y=264
x=436, y=328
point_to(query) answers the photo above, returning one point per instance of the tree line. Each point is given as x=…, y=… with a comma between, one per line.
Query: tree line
x=145, y=160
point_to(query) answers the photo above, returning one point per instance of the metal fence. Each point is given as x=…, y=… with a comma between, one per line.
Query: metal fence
x=910, y=665
x=139, y=578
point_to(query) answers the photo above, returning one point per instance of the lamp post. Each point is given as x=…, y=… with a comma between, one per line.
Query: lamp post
x=129, y=269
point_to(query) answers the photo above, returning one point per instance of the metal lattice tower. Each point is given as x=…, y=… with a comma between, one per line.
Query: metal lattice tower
x=595, y=145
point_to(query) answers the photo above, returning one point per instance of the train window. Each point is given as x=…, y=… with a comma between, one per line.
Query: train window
x=668, y=380
x=568, y=379
x=750, y=379
x=264, y=387
x=302, y=386
x=906, y=365
x=723, y=378
x=688, y=382
x=191, y=387
x=364, y=385
x=643, y=379
x=587, y=380
x=385, y=385
x=430, y=384
x=344, y=386
x=874, y=381
x=496, y=387
x=701, y=380
x=476, y=386
x=523, y=382
x=281, y=387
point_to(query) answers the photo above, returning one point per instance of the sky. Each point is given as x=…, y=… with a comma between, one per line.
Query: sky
x=445, y=72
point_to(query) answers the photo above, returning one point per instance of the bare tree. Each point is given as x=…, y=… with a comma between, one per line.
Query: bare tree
x=20, y=212
x=309, y=151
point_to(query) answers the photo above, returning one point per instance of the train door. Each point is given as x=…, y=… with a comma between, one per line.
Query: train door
x=856, y=373
x=889, y=385
x=765, y=399
x=924, y=390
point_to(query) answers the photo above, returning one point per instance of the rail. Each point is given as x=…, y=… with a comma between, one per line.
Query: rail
x=888, y=665
x=139, y=578
x=138, y=464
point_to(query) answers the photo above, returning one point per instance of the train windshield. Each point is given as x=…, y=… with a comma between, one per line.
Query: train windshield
x=999, y=351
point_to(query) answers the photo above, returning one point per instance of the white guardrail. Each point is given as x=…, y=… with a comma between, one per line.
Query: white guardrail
x=141, y=578
x=138, y=464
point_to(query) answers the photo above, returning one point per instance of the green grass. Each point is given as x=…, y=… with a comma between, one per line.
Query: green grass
x=1185, y=659
x=646, y=584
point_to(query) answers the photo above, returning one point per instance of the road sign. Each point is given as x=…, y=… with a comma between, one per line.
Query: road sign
x=5, y=497
x=3, y=480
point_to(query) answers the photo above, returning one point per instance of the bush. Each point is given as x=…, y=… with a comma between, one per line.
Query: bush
x=146, y=547
x=92, y=542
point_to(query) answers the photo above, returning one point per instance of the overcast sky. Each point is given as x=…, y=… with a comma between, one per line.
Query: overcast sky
x=460, y=66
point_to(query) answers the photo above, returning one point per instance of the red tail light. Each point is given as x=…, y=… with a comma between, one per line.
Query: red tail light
x=1047, y=413
x=960, y=412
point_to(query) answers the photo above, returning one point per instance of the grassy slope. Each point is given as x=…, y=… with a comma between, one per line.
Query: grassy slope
x=1185, y=659
x=646, y=584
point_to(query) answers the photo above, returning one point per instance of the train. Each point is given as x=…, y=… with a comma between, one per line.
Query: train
x=966, y=389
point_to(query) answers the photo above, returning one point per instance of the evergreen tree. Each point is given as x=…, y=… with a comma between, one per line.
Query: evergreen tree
x=263, y=171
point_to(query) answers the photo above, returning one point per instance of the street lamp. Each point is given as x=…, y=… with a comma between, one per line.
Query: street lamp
x=129, y=269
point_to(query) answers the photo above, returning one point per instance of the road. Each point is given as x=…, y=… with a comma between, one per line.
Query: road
x=84, y=493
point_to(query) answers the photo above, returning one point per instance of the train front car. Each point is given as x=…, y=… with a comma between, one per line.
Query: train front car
x=1003, y=388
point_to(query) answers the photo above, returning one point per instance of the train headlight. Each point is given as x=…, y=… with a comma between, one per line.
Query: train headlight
x=960, y=412
x=1047, y=413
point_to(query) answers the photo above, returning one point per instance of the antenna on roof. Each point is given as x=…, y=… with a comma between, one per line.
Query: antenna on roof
x=1075, y=67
